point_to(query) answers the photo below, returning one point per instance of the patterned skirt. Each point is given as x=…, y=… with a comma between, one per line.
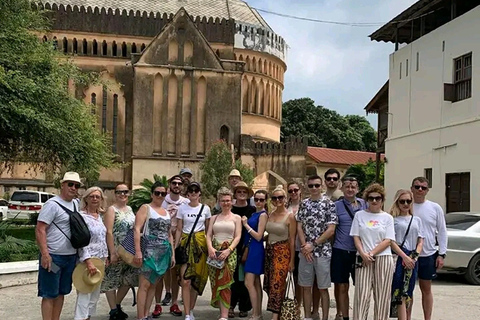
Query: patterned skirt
x=404, y=281
x=197, y=270
x=222, y=279
x=118, y=275
x=277, y=260
x=156, y=260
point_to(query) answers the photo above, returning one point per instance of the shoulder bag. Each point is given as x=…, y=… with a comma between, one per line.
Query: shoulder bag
x=181, y=253
x=126, y=249
x=289, y=309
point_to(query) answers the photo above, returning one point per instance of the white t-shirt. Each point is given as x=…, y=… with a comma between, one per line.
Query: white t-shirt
x=189, y=214
x=57, y=242
x=373, y=228
x=433, y=222
x=172, y=207
x=415, y=232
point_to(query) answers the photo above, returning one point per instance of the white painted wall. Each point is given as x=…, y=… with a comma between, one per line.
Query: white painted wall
x=419, y=119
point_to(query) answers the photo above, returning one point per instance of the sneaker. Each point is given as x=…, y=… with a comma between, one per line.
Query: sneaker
x=168, y=298
x=175, y=310
x=114, y=315
x=192, y=317
x=316, y=316
x=338, y=317
x=121, y=314
x=157, y=312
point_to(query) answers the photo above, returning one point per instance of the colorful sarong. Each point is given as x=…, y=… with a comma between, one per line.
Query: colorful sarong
x=197, y=269
x=404, y=281
x=222, y=279
x=277, y=260
x=157, y=261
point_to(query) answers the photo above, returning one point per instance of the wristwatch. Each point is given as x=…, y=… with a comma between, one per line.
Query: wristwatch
x=442, y=255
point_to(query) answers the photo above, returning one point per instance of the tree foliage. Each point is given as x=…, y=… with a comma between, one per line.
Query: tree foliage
x=143, y=195
x=41, y=123
x=216, y=167
x=365, y=173
x=326, y=128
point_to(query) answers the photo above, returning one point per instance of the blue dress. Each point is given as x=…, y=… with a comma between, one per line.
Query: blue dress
x=256, y=252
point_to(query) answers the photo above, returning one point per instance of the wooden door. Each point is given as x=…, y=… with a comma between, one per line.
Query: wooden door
x=457, y=192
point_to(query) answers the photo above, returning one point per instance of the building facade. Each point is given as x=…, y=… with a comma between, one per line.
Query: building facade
x=434, y=101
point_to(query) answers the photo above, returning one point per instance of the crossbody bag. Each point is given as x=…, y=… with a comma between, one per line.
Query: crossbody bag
x=181, y=253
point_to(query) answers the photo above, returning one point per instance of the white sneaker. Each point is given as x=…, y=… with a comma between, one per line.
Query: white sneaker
x=188, y=317
x=192, y=317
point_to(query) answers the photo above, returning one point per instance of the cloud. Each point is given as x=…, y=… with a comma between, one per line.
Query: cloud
x=337, y=66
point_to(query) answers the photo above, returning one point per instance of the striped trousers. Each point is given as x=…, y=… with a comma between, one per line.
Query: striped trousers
x=377, y=276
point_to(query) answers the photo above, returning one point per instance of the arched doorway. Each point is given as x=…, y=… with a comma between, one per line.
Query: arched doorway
x=225, y=134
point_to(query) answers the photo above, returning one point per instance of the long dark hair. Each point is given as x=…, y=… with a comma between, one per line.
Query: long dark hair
x=264, y=192
x=289, y=202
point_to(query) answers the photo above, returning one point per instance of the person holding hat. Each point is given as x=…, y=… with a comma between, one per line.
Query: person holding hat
x=57, y=256
x=88, y=275
x=242, y=193
x=193, y=219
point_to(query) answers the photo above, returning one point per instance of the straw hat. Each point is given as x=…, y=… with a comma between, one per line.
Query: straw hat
x=243, y=185
x=83, y=281
x=235, y=173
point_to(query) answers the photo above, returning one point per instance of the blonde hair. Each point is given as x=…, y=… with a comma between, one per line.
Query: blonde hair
x=103, y=203
x=279, y=188
x=224, y=191
x=395, y=209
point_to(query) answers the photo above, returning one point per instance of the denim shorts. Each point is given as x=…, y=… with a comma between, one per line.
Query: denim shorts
x=50, y=284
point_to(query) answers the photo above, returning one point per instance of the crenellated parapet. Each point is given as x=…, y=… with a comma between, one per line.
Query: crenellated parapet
x=292, y=146
x=260, y=39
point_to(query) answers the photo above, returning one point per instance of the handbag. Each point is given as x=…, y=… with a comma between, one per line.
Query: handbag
x=181, y=255
x=126, y=249
x=289, y=309
x=219, y=264
x=245, y=251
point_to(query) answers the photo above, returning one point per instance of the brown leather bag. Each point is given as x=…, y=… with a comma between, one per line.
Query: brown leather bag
x=245, y=252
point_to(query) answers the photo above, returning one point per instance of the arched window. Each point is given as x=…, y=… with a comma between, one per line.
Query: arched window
x=225, y=134
x=65, y=45
x=115, y=126
x=84, y=46
x=104, y=110
x=94, y=47
x=134, y=48
x=45, y=39
x=55, y=43
x=114, y=49
x=124, y=49
x=74, y=46
x=143, y=47
x=93, y=101
x=104, y=48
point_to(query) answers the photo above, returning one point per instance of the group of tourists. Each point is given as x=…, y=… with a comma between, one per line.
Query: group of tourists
x=176, y=242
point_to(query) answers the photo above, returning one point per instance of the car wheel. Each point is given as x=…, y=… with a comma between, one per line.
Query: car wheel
x=473, y=271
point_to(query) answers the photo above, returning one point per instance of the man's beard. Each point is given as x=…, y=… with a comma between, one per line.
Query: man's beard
x=175, y=191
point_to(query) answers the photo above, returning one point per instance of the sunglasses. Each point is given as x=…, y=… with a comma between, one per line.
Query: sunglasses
x=279, y=198
x=160, y=193
x=316, y=185
x=405, y=201
x=73, y=184
x=331, y=179
x=420, y=187
x=174, y=183
x=377, y=199
x=293, y=190
x=94, y=196
x=193, y=190
x=258, y=200
x=124, y=192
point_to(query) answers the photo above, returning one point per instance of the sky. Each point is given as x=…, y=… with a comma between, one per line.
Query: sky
x=336, y=66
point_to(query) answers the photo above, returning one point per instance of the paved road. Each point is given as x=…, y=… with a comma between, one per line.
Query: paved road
x=454, y=299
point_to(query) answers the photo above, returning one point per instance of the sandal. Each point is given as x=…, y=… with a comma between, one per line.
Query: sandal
x=231, y=313
x=243, y=314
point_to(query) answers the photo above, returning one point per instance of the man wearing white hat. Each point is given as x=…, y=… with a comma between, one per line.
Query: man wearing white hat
x=57, y=256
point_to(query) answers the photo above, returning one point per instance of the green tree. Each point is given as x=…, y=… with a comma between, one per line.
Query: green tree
x=143, y=195
x=365, y=173
x=217, y=165
x=326, y=128
x=41, y=123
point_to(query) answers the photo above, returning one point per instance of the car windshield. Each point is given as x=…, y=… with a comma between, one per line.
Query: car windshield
x=24, y=196
x=461, y=221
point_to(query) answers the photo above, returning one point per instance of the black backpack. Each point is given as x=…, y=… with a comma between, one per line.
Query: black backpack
x=79, y=232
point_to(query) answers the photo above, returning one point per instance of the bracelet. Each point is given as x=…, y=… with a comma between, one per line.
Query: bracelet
x=250, y=230
x=230, y=248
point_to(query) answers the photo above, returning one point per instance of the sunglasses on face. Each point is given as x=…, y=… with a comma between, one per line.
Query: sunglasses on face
x=420, y=187
x=258, y=200
x=175, y=183
x=73, y=184
x=331, y=179
x=405, y=201
x=124, y=192
x=160, y=193
x=193, y=190
x=293, y=190
x=316, y=185
x=377, y=199
x=279, y=198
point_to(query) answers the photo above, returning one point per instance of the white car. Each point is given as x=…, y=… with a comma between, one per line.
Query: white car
x=23, y=203
x=3, y=209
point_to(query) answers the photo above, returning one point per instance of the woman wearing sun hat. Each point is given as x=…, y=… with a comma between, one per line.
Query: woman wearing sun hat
x=89, y=273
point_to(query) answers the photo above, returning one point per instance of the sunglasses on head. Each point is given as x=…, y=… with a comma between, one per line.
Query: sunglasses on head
x=193, y=190
x=124, y=192
x=160, y=193
x=293, y=190
x=258, y=200
x=405, y=201
x=316, y=185
x=420, y=187
x=176, y=183
x=73, y=184
x=279, y=198
x=331, y=178
x=377, y=199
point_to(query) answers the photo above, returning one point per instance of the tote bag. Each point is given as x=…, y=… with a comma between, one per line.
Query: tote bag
x=126, y=250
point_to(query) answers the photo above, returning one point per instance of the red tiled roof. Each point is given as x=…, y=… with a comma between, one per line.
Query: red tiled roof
x=339, y=156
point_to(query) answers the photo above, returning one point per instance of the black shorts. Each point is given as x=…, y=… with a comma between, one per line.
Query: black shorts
x=297, y=262
x=427, y=267
x=342, y=266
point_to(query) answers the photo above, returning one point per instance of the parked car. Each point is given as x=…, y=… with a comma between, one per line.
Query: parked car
x=24, y=203
x=463, y=252
x=3, y=209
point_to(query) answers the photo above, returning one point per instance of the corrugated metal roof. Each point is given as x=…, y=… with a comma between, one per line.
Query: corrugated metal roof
x=228, y=9
x=339, y=156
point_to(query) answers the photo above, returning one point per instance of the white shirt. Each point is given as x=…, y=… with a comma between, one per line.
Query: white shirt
x=433, y=221
x=189, y=214
x=172, y=207
x=415, y=232
x=373, y=228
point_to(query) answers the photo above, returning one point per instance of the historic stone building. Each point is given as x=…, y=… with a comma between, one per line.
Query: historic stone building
x=181, y=74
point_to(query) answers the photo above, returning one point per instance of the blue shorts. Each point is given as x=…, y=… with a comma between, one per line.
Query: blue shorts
x=50, y=284
x=427, y=267
x=342, y=266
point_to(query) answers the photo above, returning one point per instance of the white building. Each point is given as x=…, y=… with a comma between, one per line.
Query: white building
x=434, y=101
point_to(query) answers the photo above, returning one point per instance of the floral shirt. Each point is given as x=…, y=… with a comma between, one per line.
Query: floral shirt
x=98, y=244
x=316, y=216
